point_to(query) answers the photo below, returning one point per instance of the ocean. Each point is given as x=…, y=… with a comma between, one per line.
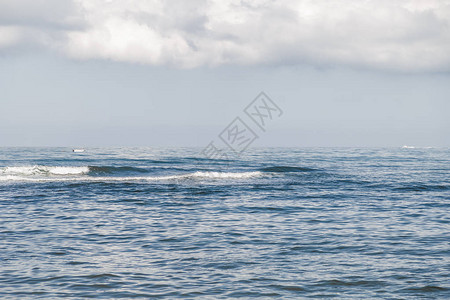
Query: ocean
x=120, y=223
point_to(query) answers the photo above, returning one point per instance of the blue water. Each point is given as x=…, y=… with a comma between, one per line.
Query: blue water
x=293, y=223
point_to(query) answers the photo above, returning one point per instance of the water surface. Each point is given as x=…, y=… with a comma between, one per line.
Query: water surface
x=293, y=223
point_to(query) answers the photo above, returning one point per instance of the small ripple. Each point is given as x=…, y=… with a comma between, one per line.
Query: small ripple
x=101, y=276
x=422, y=188
x=57, y=253
x=427, y=289
x=247, y=294
x=94, y=286
x=287, y=169
x=290, y=288
x=76, y=263
x=337, y=282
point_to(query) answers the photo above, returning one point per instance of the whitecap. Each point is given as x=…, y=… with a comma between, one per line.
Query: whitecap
x=12, y=175
x=43, y=170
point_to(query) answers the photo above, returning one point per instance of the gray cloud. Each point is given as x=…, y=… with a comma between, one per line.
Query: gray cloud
x=40, y=14
x=404, y=35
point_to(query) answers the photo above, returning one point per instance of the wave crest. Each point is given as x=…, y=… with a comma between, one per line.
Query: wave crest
x=44, y=170
x=52, y=173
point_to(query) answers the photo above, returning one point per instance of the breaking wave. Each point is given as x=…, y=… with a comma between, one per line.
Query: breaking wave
x=92, y=173
x=43, y=170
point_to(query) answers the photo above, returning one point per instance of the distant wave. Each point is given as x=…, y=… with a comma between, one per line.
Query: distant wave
x=98, y=171
x=286, y=169
x=112, y=170
x=43, y=170
x=53, y=173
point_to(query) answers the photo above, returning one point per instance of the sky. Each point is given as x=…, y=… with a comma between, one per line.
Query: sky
x=363, y=73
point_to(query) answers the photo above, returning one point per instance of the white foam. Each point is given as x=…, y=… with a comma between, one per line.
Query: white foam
x=189, y=176
x=68, y=170
x=11, y=178
x=43, y=170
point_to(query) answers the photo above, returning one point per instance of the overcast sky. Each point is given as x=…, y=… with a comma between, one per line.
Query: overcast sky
x=174, y=72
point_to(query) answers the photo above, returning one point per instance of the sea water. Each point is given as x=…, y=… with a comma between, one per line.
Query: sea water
x=276, y=223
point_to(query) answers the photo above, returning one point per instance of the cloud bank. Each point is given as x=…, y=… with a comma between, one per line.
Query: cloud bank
x=402, y=35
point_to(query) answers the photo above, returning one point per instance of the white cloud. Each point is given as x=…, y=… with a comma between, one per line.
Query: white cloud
x=9, y=35
x=405, y=35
